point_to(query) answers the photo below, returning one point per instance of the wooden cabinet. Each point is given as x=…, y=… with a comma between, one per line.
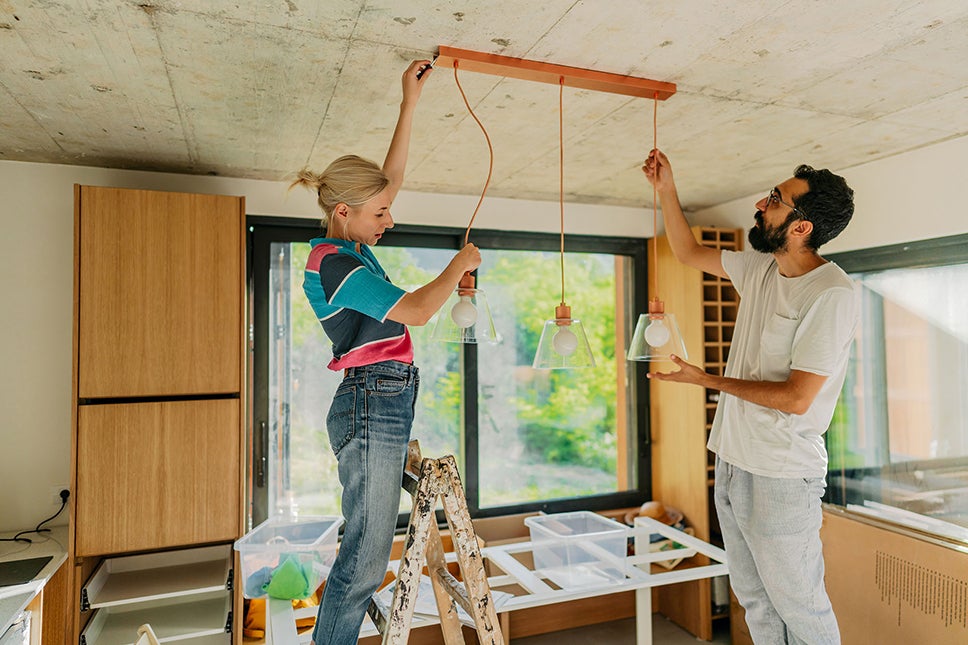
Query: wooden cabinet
x=156, y=475
x=682, y=469
x=159, y=287
x=158, y=384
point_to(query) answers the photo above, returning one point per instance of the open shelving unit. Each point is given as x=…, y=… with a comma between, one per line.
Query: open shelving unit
x=185, y=595
x=682, y=468
x=720, y=302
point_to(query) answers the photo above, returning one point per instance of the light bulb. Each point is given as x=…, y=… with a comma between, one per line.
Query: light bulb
x=464, y=313
x=657, y=334
x=565, y=342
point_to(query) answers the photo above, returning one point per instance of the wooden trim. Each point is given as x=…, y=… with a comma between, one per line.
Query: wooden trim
x=72, y=624
x=541, y=72
x=238, y=602
x=56, y=605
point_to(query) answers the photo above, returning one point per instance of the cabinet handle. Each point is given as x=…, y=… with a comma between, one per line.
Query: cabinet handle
x=262, y=445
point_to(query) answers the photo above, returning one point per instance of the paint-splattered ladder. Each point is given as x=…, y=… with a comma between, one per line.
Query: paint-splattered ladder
x=427, y=480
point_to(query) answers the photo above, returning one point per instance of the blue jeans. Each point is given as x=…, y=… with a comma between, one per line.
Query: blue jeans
x=771, y=530
x=369, y=427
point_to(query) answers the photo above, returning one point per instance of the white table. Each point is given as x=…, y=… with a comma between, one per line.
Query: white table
x=15, y=598
x=638, y=571
x=280, y=619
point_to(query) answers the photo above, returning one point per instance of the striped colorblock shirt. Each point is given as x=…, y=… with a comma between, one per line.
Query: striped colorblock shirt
x=351, y=296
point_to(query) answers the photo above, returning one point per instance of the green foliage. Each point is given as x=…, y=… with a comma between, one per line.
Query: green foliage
x=568, y=417
x=555, y=431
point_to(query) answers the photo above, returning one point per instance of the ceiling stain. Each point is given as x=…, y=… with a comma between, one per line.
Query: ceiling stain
x=405, y=21
x=503, y=42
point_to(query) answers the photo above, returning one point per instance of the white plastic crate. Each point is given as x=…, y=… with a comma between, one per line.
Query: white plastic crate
x=578, y=549
x=288, y=558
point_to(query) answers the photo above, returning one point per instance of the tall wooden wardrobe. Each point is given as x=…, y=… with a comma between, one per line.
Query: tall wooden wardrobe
x=156, y=461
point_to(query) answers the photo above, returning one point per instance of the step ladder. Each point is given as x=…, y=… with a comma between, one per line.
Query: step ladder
x=428, y=480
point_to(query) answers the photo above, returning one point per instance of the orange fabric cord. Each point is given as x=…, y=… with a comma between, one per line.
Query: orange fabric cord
x=561, y=178
x=655, y=205
x=490, y=150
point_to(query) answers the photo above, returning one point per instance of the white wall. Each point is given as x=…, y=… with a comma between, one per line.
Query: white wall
x=36, y=292
x=913, y=196
x=917, y=195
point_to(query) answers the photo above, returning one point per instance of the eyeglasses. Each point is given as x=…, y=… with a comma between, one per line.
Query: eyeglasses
x=774, y=198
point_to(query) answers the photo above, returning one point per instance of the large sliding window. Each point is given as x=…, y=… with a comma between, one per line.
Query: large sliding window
x=898, y=445
x=524, y=439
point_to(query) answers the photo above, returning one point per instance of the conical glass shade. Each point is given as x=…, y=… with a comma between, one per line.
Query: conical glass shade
x=466, y=318
x=563, y=345
x=656, y=337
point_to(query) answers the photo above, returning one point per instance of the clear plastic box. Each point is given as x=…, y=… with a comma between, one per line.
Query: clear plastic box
x=288, y=558
x=578, y=549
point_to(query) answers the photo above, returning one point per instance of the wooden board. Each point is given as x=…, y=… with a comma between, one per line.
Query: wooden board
x=542, y=72
x=887, y=587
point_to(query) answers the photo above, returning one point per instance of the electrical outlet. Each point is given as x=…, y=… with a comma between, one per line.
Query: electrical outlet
x=55, y=494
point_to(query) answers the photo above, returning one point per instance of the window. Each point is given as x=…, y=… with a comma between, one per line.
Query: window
x=898, y=445
x=524, y=439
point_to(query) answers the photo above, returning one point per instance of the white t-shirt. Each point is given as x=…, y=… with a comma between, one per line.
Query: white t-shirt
x=805, y=323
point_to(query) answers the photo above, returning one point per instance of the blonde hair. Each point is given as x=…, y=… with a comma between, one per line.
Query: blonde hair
x=349, y=180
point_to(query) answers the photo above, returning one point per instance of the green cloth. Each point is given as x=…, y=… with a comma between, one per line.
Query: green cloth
x=288, y=581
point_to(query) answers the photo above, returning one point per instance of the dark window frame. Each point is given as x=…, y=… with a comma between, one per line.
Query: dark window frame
x=933, y=252
x=264, y=230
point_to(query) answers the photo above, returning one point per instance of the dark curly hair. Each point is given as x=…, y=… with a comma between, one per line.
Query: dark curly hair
x=828, y=205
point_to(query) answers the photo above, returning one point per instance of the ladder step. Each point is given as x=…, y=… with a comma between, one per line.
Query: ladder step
x=378, y=611
x=453, y=587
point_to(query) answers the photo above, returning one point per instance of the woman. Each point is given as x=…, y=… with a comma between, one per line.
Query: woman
x=365, y=316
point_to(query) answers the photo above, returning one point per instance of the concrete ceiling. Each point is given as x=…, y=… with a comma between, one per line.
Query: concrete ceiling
x=261, y=88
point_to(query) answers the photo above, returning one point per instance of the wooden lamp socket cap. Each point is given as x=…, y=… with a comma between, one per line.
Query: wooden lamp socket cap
x=562, y=315
x=466, y=286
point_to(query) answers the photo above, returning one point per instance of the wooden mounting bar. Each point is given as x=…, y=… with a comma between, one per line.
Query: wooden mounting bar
x=531, y=70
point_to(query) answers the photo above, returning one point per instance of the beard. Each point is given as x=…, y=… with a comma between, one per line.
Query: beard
x=769, y=240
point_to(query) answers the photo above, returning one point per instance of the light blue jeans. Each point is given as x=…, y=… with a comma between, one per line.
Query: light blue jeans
x=771, y=530
x=369, y=426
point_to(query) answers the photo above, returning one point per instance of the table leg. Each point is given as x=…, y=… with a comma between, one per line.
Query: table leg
x=280, y=622
x=643, y=616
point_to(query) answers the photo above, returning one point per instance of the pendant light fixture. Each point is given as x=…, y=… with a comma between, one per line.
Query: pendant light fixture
x=564, y=328
x=466, y=316
x=656, y=335
x=563, y=343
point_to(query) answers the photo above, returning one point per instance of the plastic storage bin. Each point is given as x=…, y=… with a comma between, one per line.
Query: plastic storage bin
x=287, y=558
x=578, y=549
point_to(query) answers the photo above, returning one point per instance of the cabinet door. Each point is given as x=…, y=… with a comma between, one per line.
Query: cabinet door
x=160, y=281
x=157, y=475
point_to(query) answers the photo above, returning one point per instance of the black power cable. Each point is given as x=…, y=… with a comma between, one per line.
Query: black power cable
x=64, y=495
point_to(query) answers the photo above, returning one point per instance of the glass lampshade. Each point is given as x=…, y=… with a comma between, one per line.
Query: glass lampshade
x=563, y=343
x=466, y=318
x=656, y=337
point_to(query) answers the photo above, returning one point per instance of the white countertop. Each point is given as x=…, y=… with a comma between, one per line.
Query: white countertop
x=14, y=599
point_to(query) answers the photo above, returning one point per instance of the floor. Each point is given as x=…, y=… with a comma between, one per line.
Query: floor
x=622, y=632
x=618, y=632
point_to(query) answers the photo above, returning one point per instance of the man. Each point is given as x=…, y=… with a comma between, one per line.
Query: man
x=786, y=366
